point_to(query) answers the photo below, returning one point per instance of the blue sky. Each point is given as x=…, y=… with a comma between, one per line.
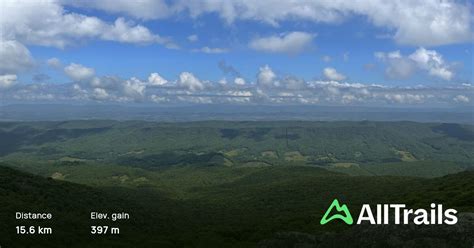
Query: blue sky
x=355, y=37
x=106, y=51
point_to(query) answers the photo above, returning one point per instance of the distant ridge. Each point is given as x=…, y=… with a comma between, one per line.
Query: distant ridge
x=181, y=113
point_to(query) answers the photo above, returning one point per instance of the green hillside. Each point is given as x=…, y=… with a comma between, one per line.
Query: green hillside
x=233, y=184
x=261, y=206
x=69, y=203
x=350, y=147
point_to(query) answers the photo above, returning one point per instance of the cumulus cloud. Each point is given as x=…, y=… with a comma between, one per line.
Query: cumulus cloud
x=128, y=32
x=461, y=99
x=427, y=23
x=134, y=89
x=241, y=93
x=400, y=66
x=331, y=74
x=156, y=79
x=188, y=81
x=404, y=98
x=159, y=99
x=268, y=87
x=239, y=81
x=100, y=94
x=222, y=82
x=289, y=43
x=189, y=89
x=79, y=72
x=14, y=57
x=433, y=62
x=7, y=81
x=54, y=63
x=46, y=23
x=110, y=88
x=266, y=77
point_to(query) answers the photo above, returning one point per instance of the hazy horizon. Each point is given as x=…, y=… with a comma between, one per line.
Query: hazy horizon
x=229, y=112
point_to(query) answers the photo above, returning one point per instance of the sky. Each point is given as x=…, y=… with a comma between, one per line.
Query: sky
x=370, y=53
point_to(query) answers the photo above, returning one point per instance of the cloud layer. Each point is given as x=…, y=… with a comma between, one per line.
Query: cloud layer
x=420, y=23
x=267, y=87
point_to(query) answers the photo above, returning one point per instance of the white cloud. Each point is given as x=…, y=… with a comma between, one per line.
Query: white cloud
x=134, y=89
x=433, y=62
x=156, y=79
x=349, y=98
x=159, y=99
x=287, y=90
x=405, y=98
x=271, y=11
x=222, y=81
x=211, y=50
x=196, y=99
x=46, y=23
x=189, y=81
x=193, y=38
x=127, y=32
x=266, y=77
x=100, y=94
x=290, y=43
x=111, y=88
x=14, y=57
x=7, y=81
x=461, y=99
x=420, y=23
x=54, y=63
x=331, y=74
x=426, y=23
x=79, y=72
x=335, y=84
x=400, y=67
x=239, y=81
x=242, y=93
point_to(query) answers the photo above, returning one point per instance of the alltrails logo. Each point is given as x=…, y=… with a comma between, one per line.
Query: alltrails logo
x=346, y=217
x=400, y=214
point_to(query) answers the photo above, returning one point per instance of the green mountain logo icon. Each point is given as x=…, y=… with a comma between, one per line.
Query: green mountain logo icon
x=345, y=216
